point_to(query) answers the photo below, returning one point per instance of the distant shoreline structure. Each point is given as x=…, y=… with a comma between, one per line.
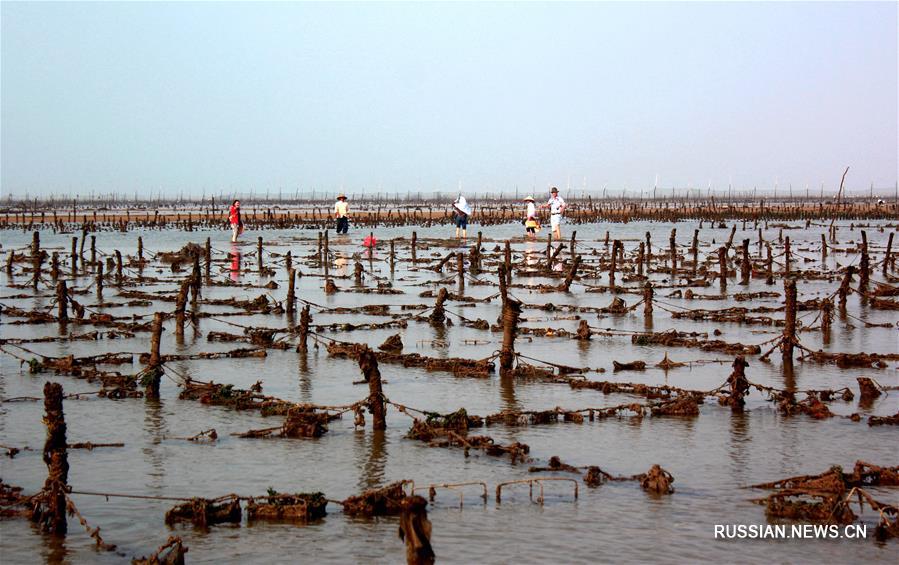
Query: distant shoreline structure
x=372, y=212
x=282, y=199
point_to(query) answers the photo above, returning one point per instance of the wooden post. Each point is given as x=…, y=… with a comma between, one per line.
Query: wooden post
x=392, y=254
x=415, y=530
x=49, y=506
x=826, y=314
x=305, y=321
x=181, y=305
x=259, y=254
x=511, y=313
x=438, y=314
x=99, y=279
x=93, y=250
x=789, y=334
x=730, y=240
x=503, y=288
x=54, y=266
x=507, y=259
x=291, y=297
x=769, y=266
x=460, y=268
x=823, y=249
x=647, y=299
x=673, y=245
x=208, y=261
x=695, y=251
x=640, y=256
x=571, y=245
x=887, y=258
x=722, y=266
x=843, y=291
x=572, y=272
x=613, y=264
x=745, y=265
x=739, y=385
x=140, y=251
x=368, y=363
x=414, y=242
x=62, y=302
x=36, y=258
x=787, y=256
x=118, y=267
x=648, y=252
x=74, y=256
x=864, y=266
x=153, y=370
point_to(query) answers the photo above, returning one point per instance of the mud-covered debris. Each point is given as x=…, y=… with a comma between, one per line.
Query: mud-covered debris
x=170, y=553
x=384, y=501
x=683, y=405
x=415, y=531
x=203, y=512
x=657, y=480
x=393, y=343
x=884, y=420
x=301, y=507
x=631, y=366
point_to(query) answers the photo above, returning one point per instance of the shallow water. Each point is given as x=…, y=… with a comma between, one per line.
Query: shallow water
x=711, y=456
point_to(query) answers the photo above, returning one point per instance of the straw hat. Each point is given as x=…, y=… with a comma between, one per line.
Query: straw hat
x=341, y=196
x=529, y=199
x=554, y=189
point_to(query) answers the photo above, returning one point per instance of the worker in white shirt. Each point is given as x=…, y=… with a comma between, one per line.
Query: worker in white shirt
x=531, y=222
x=341, y=211
x=461, y=212
x=556, y=207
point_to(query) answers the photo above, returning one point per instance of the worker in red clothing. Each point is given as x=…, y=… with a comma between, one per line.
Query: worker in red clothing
x=236, y=222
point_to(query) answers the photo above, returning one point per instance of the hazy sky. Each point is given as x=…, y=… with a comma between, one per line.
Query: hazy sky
x=223, y=96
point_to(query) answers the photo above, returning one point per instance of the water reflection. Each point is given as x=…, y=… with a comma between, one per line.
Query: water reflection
x=789, y=375
x=234, y=271
x=305, y=380
x=440, y=332
x=156, y=429
x=54, y=549
x=371, y=453
x=340, y=263
x=507, y=392
x=740, y=440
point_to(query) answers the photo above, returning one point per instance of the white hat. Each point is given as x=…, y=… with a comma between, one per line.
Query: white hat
x=528, y=198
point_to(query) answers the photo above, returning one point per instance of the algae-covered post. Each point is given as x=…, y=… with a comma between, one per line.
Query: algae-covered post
x=789, y=333
x=49, y=506
x=153, y=370
x=511, y=313
x=368, y=363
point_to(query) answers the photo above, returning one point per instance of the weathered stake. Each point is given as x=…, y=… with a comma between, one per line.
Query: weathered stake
x=49, y=506
x=789, y=333
x=511, y=313
x=368, y=363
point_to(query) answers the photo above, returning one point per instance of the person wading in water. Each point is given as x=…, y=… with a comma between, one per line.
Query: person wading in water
x=556, y=207
x=341, y=211
x=235, y=219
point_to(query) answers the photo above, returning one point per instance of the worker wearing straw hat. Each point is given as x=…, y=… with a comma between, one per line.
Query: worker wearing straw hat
x=531, y=223
x=341, y=211
x=556, y=207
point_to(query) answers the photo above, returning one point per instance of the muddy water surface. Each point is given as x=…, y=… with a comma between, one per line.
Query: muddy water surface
x=711, y=456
